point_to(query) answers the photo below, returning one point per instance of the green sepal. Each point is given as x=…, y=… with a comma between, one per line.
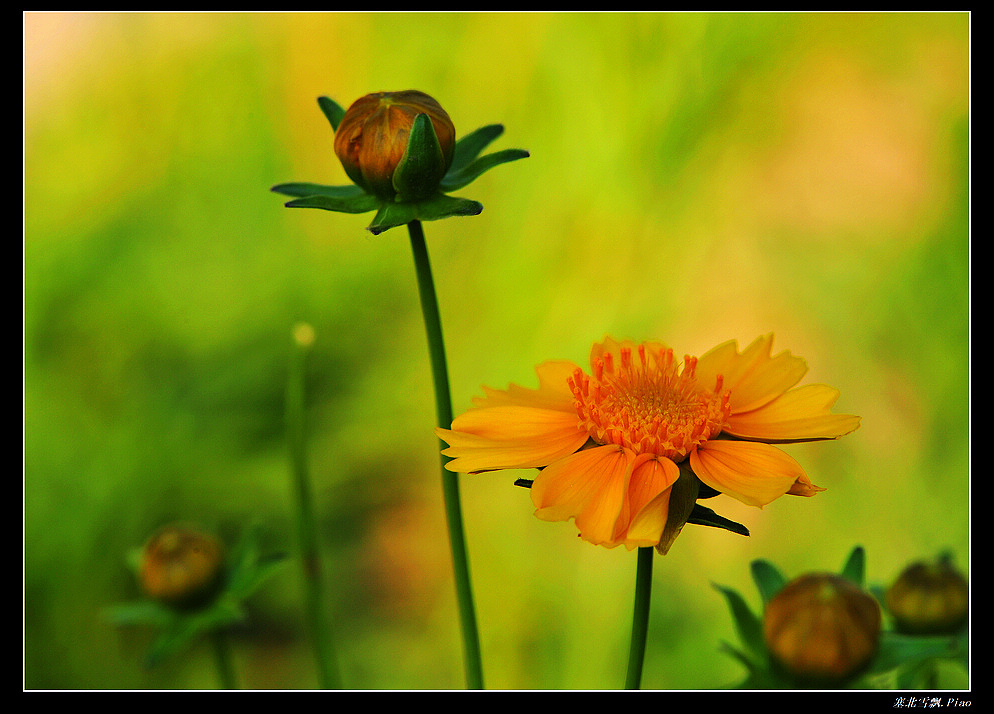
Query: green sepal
x=854, y=569
x=422, y=166
x=461, y=177
x=768, y=578
x=898, y=650
x=176, y=628
x=705, y=491
x=748, y=626
x=332, y=110
x=248, y=568
x=438, y=206
x=683, y=497
x=442, y=206
x=469, y=147
x=759, y=675
x=361, y=203
x=302, y=189
x=187, y=627
x=391, y=215
x=703, y=516
x=140, y=612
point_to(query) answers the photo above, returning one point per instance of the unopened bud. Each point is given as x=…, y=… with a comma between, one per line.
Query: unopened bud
x=929, y=598
x=822, y=628
x=181, y=566
x=373, y=138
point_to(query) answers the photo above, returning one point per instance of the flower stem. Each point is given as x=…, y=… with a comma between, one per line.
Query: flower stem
x=450, y=482
x=640, y=621
x=307, y=533
x=222, y=657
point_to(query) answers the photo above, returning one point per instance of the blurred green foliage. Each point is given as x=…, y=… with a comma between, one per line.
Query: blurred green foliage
x=693, y=178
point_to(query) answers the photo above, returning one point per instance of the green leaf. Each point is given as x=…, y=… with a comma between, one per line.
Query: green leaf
x=769, y=580
x=469, y=147
x=466, y=175
x=854, y=568
x=703, y=516
x=332, y=110
x=362, y=203
x=747, y=624
x=303, y=189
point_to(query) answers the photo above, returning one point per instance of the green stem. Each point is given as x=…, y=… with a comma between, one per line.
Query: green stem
x=450, y=481
x=640, y=621
x=222, y=656
x=307, y=532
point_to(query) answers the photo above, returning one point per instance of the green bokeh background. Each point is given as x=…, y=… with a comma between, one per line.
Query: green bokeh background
x=693, y=178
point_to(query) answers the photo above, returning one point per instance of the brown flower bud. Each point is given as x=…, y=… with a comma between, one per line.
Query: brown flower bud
x=181, y=566
x=373, y=135
x=929, y=598
x=822, y=628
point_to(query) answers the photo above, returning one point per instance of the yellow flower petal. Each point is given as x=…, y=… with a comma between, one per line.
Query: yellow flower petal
x=753, y=473
x=553, y=391
x=753, y=377
x=510, y=437
x=588, y=486
x=649, y=498
x=802, y=414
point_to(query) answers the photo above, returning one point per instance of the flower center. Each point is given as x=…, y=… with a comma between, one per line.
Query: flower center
x=649, y=405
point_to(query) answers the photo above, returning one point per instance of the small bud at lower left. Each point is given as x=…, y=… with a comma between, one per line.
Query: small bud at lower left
x=181, y=566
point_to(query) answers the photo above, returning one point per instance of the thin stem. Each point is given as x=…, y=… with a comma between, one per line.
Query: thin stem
x=222, y=657
x=450, y=482
x=640, y=621
x=324, y=651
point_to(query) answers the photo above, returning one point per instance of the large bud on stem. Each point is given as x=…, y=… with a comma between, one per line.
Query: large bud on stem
x=396, y=145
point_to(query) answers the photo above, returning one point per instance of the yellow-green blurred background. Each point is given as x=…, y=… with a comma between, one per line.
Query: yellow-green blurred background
x=693, y=178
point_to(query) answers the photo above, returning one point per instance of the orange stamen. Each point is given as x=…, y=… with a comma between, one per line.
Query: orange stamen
x=651, y=405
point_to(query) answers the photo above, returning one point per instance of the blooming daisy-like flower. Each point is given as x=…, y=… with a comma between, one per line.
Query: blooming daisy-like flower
x=613, y=443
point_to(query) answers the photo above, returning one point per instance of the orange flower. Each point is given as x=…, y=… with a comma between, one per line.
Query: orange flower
x=609, y=442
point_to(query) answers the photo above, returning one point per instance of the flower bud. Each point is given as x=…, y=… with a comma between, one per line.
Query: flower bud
x=372, y=143
x=181, y=566
x=929, y=598
x=822, y=628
